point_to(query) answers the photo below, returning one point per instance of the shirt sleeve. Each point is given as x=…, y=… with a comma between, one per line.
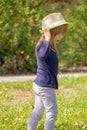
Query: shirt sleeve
x=43, y=49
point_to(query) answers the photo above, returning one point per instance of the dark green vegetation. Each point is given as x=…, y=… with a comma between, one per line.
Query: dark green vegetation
x=20, y=29
x=17, y=100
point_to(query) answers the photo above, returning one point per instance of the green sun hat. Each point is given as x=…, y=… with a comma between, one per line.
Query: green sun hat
x=54, y=20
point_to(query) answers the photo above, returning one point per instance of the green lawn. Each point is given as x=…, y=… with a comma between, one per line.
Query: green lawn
x=16, y=104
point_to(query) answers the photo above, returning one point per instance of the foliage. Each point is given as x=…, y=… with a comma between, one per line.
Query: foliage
x=74, y=45
x=71, y=99
x=20, y=25
x=20, y=29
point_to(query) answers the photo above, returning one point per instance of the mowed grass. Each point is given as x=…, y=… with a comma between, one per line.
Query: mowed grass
x=17, y=100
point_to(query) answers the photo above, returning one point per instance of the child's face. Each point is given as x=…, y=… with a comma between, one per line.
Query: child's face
x=57, y=38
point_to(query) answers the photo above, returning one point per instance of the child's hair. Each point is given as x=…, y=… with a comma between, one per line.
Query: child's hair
x=61, y=29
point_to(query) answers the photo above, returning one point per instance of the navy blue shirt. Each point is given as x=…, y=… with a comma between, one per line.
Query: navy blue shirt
x=47, y=66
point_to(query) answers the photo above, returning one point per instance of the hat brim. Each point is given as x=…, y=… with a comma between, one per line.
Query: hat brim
x=58, y=24
x=54, y=25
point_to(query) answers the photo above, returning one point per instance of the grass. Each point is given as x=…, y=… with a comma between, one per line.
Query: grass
x=17, y=99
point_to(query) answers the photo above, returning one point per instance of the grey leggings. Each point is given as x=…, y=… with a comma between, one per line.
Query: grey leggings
x=45, y=99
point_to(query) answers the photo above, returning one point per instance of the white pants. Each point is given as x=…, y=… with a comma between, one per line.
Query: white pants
x=45, y=99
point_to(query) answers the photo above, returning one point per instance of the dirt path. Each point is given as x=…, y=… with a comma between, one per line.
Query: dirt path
x=15, y=78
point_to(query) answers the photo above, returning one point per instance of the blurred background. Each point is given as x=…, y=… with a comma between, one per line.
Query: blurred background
x=20, y=30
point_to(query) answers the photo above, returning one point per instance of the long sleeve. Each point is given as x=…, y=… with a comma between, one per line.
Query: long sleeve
x=47, y=66
x=43, y=49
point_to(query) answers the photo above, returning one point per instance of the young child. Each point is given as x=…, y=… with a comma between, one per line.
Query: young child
x=54, y=27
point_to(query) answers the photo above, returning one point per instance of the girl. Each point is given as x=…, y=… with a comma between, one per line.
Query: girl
x=47, y=69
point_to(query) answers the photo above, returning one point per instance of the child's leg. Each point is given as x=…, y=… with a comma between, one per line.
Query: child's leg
x=49, y=101
x=36, y=114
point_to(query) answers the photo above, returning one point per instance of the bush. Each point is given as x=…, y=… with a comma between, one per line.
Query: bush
x=20, y=23
x=73, y=47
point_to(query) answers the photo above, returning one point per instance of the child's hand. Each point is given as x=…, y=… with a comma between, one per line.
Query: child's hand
x=47, y=34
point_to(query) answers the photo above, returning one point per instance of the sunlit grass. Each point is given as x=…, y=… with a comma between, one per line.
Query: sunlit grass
x=71, y=99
